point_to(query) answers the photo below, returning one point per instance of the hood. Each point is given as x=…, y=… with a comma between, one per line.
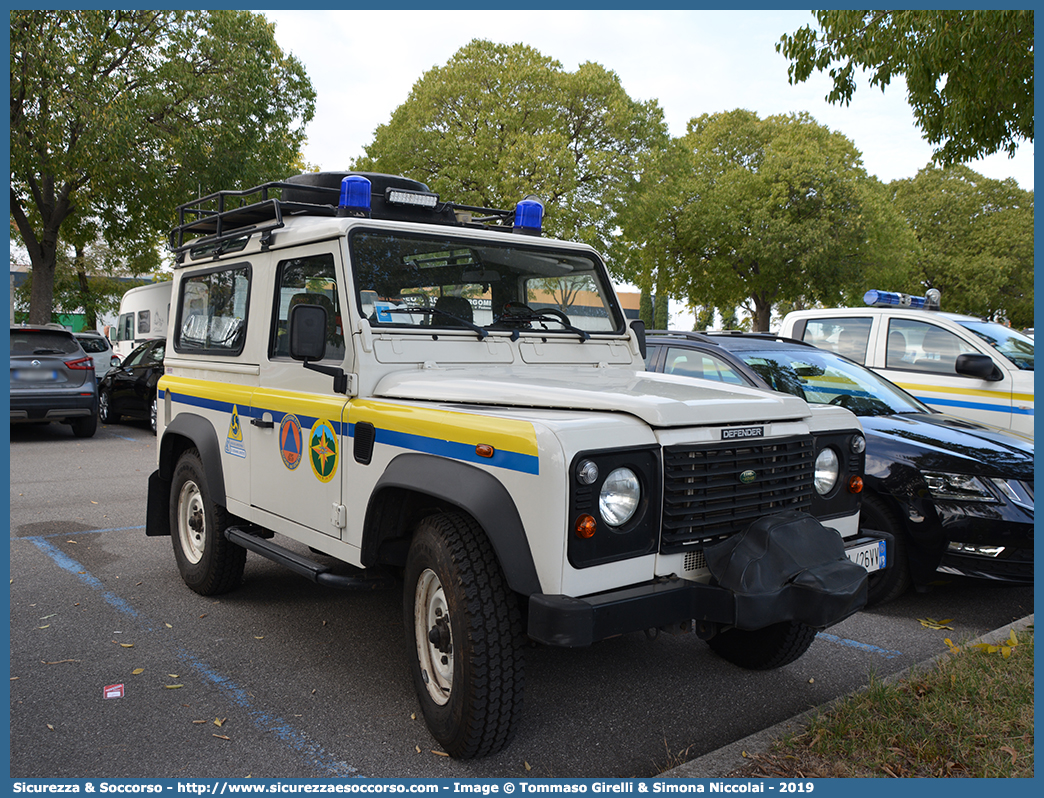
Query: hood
x=658, y=399
x=935, y=441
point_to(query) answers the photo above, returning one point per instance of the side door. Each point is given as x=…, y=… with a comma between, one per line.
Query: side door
x=298, y=436
x=920, y=357
x=121, y=382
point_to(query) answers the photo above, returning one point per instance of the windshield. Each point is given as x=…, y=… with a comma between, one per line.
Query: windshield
x=418, y=281
x=1015, y=346
x=821, y=377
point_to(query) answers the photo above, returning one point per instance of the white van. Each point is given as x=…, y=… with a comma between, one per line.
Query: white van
x=144, y=312
x=961, y=365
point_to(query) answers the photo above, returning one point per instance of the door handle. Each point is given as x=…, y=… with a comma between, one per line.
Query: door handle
x=264, y=423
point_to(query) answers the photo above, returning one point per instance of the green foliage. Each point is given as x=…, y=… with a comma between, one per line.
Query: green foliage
x=744, y=210
x=499, y=122
x=118, y=116
x=969, y=74
x=976, y=241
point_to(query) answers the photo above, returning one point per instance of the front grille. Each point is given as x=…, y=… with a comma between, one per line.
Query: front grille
x=705, y=500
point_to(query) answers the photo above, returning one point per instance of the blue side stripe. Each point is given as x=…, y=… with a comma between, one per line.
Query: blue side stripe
x=511, y=461
x=1017, y=411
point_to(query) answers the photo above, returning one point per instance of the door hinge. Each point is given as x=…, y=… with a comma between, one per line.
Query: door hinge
x=339, y=516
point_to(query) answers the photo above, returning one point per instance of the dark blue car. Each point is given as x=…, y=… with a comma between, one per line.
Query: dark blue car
x=956, y=496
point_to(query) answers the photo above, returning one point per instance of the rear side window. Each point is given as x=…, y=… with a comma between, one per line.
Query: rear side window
x=844, y=336
x=212, y=313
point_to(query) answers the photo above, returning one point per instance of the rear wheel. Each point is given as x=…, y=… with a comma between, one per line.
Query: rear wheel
x=208, y=562
x=894, y=580
x=464, y=631
x=764, y=649
x=152, y=414
x=84, y=426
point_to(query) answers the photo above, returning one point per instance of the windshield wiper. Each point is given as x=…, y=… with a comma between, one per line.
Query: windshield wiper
x=516, y=316
x=482, y=333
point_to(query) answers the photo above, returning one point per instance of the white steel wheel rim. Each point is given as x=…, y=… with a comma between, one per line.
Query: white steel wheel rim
x=192, y=528
x=430, y=611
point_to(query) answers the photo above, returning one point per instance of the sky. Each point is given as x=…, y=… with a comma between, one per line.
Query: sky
x=363, y=65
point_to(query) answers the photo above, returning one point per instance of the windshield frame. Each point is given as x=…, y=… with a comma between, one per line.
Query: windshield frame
x=489, y=272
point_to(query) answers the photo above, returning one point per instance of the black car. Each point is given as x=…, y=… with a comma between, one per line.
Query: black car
x=129, y=389
x=52, y=379
x=956, y=496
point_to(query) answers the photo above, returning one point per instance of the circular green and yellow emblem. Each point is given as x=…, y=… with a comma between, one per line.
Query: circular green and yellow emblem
x=322, y=450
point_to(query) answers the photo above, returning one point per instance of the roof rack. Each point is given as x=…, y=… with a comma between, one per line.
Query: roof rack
x=225, y=220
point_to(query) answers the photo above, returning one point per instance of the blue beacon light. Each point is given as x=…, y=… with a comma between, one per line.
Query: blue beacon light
x=529, y=215
x=874, y=297
x=355, y=196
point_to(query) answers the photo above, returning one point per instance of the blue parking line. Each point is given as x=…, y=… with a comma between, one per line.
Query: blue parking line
x=841, y=641
x=262, y=720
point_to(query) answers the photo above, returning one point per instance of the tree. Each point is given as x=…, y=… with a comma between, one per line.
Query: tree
x=969, y=74
x=118, y=116
x=742, y=210
x=499, y=122
x=976, y=241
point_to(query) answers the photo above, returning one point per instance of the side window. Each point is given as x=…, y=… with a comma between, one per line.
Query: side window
x=212, y=314
x=926, y=347
x=846, y=337
x=307, y=281
x=144, y=326
x=691, y=363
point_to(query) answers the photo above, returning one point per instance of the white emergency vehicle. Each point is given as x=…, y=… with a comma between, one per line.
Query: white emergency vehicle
x=956, y=364
x=358, y=368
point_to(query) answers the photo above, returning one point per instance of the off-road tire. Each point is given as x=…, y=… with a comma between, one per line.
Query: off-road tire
x=208, y=562
x=894, y=580
x=764, y=649
x=105, y=412
x=464, y=635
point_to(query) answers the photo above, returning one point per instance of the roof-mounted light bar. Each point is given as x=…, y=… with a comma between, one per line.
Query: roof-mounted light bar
x=355, y=196
x=529, y=216
x=930, y=301
x=416, y=199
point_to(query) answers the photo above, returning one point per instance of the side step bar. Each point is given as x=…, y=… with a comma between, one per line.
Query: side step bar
x=309, y=569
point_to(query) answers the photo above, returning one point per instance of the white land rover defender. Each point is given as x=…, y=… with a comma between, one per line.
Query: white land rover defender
x=435, y=391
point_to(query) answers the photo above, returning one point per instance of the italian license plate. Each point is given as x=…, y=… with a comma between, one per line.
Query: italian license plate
x=35, y=375
x=869, y=555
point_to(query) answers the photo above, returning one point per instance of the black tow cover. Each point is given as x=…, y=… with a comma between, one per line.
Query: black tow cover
x=788, y=566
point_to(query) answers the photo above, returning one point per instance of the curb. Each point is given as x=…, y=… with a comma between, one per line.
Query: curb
x=718, y=764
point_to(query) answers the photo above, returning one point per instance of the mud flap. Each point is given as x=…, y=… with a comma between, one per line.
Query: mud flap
x=788, y=567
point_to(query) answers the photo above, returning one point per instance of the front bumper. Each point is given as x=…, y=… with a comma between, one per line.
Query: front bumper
x=787, y=567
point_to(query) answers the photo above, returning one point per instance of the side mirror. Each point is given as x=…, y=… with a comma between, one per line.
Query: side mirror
x=307, y=328
x=639, y=331
x=981, y=367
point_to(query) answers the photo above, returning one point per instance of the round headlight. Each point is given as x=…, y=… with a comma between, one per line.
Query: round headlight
x=827, y=471
x=619, y=496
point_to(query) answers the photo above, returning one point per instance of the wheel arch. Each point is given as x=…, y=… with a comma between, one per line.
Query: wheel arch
x=414, y=485
x=185, y=431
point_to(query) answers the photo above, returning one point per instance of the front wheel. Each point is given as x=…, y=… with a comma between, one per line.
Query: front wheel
x=464, y=631
x=894, y=580
x=208, y=562
x=764, y=649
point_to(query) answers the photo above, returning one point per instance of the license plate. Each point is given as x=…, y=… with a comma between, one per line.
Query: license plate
x=35, y=375
x=869, y=555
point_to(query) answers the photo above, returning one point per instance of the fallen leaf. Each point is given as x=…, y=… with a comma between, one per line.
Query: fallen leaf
x=931, y=623
x=93, y=501
x=439, y=753
x=199, y=721
x=1009, y=750
x=58, y=661
x=174, y=686
x=45, y=626
x=811, y=681
x=126, y=645
x=418, y=749
x=524, y=762
x=173, y=676
x=219, y=722
x=221, y=736
x=49, y=726
x=138, y=671
x=168, y=626
x=52, y=615
x=262, y=637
